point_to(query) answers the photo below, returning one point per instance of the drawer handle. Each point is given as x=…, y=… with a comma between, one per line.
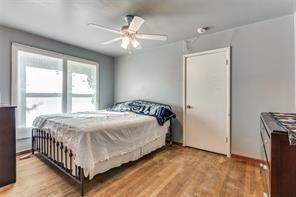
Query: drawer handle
x=263, y=166
x=265, y=194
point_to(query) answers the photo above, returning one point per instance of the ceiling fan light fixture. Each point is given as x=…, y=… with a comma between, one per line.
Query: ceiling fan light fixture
x=129, y=33
x=123, y=45
x=135, y=43
x=125, y=42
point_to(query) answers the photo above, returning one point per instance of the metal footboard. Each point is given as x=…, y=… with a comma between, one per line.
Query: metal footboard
x=169, y=135
x=57, y=154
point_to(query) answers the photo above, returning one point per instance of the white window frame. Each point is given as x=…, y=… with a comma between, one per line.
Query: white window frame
x=14, y=74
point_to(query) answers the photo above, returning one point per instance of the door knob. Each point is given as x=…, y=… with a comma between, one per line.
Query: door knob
x=189, y=106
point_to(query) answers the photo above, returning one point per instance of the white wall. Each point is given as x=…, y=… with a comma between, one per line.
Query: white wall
x=8, y=35
x=262, y=76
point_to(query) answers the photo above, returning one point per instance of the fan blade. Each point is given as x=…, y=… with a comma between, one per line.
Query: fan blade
x=152, y=37
x=136, y=44
x=111, y=41
x=135, y=25
x=104, y=28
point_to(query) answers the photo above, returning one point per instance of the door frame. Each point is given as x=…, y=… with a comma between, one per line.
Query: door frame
x=228, y=99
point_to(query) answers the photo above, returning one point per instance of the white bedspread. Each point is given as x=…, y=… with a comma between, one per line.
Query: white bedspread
x=100, y=135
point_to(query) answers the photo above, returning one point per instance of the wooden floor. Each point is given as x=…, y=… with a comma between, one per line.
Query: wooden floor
x=170, y=171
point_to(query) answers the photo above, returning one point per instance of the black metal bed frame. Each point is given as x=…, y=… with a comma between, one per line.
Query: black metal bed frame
x=60, y=156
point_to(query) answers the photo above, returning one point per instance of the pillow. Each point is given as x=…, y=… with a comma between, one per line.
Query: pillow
x=120, y=107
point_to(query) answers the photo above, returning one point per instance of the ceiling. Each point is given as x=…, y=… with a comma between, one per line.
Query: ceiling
x=66, y=20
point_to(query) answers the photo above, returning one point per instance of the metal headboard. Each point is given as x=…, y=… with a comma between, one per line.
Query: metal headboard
x=147, y=101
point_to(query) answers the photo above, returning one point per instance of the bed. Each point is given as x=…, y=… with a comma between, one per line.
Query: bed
x=85, y=144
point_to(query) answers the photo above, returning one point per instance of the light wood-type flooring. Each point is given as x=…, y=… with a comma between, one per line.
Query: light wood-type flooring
x=170, y=171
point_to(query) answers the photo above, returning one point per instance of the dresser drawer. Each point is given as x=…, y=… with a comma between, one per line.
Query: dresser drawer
x=265, y=174
x=282, y=159
x=266, y=142
x=265, y=154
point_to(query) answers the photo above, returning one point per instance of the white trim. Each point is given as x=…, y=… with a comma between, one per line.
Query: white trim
x=184, y=99
x=51, y=53
x=207, y=52
x=228, y=105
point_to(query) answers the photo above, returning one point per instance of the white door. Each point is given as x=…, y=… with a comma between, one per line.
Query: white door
x=207, y=101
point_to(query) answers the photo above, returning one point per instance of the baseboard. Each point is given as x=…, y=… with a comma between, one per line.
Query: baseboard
x=23, y=152
x=248, y=159
x=178, y=143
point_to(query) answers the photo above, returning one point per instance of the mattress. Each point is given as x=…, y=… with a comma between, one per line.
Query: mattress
x=102, y=138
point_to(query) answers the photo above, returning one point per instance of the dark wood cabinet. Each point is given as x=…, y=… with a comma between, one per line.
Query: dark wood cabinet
x=7, y=145
x=279, y=170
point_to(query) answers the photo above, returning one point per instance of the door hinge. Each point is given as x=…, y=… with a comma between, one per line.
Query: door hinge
x=226, y=140
x=226, y=61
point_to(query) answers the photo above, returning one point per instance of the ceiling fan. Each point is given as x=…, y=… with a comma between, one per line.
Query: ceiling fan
x=129, y=33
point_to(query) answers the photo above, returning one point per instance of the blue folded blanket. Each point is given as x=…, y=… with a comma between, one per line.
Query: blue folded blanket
x=161, y=112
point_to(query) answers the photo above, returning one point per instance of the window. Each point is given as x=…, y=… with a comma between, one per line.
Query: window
x=45, y=82
x=82, y=86
x=41, y=87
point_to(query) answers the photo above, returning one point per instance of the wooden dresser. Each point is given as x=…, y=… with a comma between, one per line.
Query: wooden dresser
x=7, y=145
x=280, y=167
